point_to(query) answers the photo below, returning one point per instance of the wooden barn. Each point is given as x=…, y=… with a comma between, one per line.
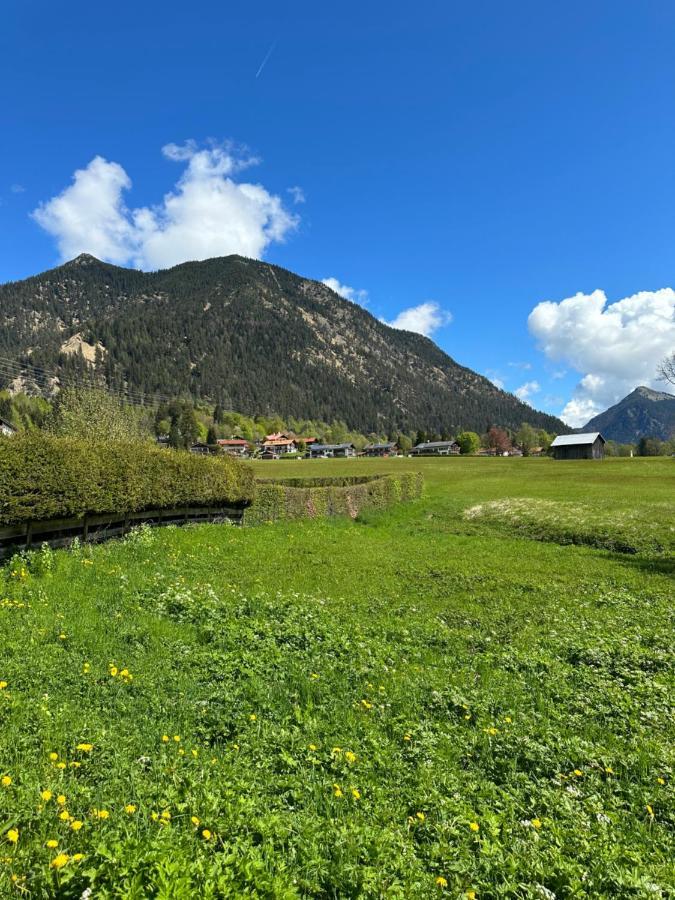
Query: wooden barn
x=579, y=446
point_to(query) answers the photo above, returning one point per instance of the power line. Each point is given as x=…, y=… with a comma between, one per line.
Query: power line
x=45, y=379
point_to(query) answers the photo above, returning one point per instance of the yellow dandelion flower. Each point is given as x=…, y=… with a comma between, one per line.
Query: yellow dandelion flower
x=46, y=796
x=536, y=823
x=650, y=810
x=195, y=821
x=61, y=799
x=337, y=790
x=154, y=816
x=181, y=752
x=75, y=764
x=165, y=738
x=124, y=673
x=314, y=675
x=660, y=780
x=76, y=825
x=3, y=685
x=356, y=793
x=64, y=815
x=60, y=765
x=101, y=814
x=176, y=738
x=474, y=826
x=336, y=751
x=53, y=756
x=350, y=757
x=420, y=816
x=130, y=809
x=441, y=882
x=578, y=773
x=467, y=716
x=252, y=717
x=366, y=704
x=407, y=737
x=59, y=861
x=86, y=668
x=206, y=834
x=313, y=747
x=76, y=857
x=13, y=835
x=166, y=814
x=113, y=671
x=52, y=844
x=85, y=748
x=508, y=720
x=609, y=770
x=470, y=895
x=195, y=753
x=492, y=731
x=5, y=781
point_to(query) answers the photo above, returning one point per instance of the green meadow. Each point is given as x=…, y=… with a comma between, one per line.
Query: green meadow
x=466, y=696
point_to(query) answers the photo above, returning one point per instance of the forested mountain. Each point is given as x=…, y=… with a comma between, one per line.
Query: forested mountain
x=643, y=413
x=249, y=335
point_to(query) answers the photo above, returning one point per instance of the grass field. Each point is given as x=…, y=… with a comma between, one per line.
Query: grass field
x=468, y=696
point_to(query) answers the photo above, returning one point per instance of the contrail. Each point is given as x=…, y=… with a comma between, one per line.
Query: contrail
x=267, y=56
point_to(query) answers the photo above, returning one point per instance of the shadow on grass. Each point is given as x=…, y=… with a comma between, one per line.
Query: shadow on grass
x=653, y=565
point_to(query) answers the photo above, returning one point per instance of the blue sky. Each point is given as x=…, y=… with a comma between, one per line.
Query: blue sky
x=474, y=160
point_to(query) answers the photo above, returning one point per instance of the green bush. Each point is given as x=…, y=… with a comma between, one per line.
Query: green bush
x=47, y=477
x=312, y=498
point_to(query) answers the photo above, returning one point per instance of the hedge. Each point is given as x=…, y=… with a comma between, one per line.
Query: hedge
x=46, y=477
x=296, y=498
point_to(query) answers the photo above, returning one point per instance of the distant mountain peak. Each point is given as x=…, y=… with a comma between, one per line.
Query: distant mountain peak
x=84, y=259
x=643, y=413
x=651, y=394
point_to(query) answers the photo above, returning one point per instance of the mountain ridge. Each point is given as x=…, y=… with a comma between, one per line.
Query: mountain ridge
x=642, y=413
x=253, y=335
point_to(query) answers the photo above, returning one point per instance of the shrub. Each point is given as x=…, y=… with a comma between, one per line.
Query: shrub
x=297, y=498
x=45, y=477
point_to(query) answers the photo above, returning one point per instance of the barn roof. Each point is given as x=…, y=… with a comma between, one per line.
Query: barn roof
x=574, y=440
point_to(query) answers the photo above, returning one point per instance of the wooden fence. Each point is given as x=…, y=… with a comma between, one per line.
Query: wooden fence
x=101, y=527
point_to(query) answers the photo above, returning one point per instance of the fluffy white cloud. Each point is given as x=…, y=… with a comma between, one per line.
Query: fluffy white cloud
x=207, y=213
x=424, y=319
x=348, y=293
x=615, y=346
x=525, y=391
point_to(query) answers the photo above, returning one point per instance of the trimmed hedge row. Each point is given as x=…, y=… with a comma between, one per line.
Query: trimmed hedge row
x=278, y=501
x=46, y=477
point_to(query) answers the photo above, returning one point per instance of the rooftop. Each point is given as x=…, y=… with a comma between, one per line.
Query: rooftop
x=573, y=440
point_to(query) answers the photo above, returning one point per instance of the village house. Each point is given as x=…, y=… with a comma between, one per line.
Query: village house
x=329, y=451
x=6, y=428
x=389, y=448
x=579, y=446
x=436, y=448
x=235, y=447
x=279, y=446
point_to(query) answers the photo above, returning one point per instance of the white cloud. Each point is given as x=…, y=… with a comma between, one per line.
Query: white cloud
x=207, y=213
x=297, y=194
x=498, y=383
x=615, y=346
x=525, y=391
x=424, y=319
x=348, y=293
x=526, y=366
